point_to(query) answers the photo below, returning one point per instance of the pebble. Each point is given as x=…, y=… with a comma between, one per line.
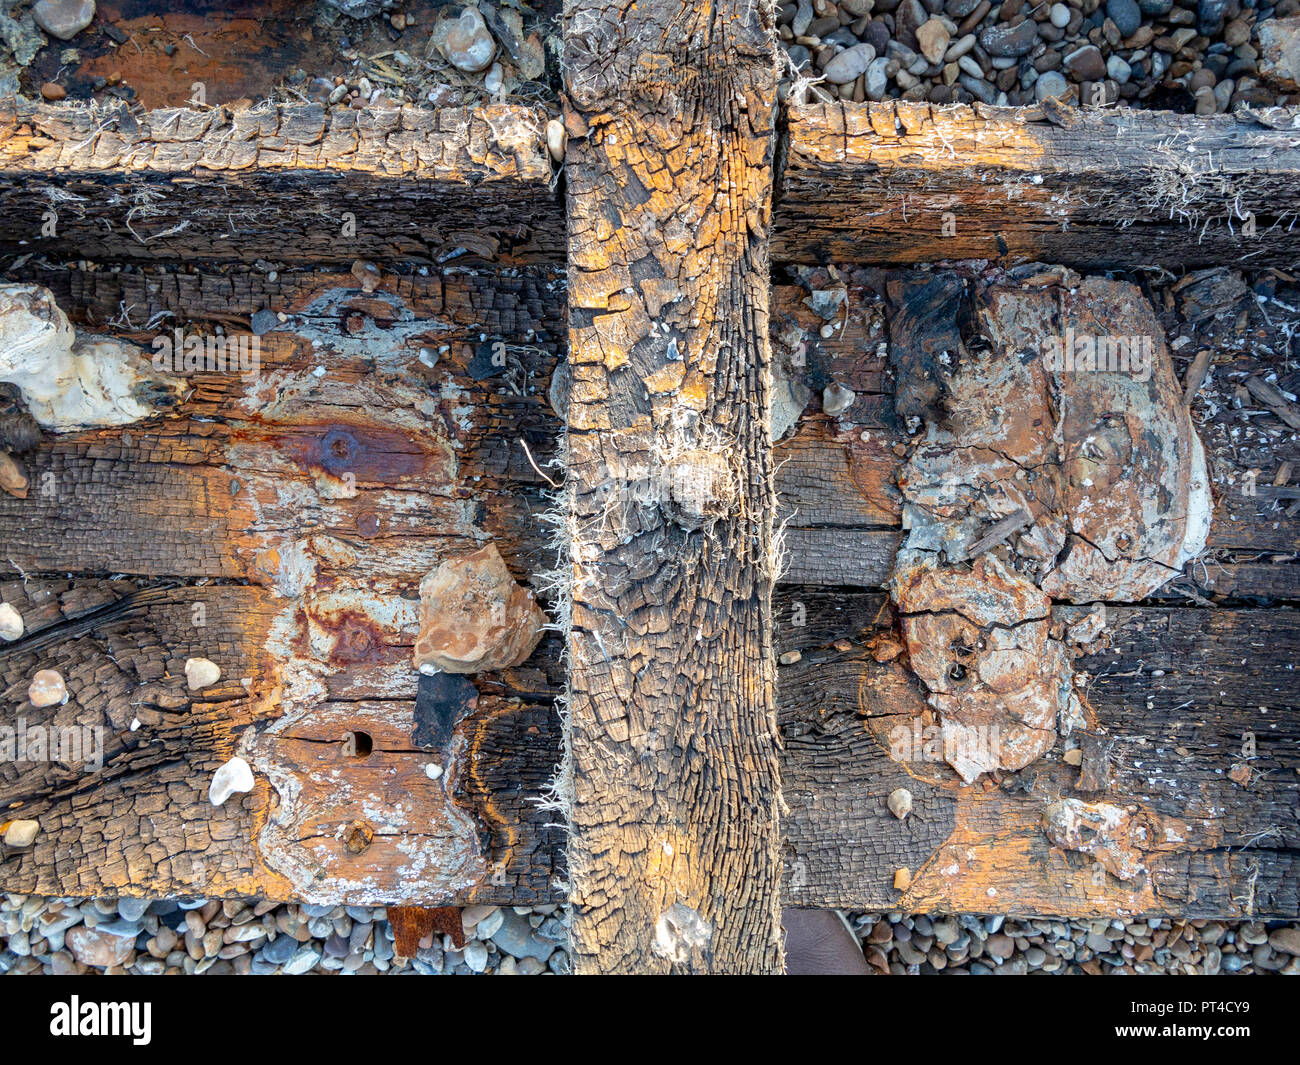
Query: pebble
x=515, y=937
x=1059, y=16
x=279, y=950
x=1286, y=940
x=556, y=139
x=476, y=956
x=303, y=960
x=11, y=623
x=47, y=688
x=63, y=19
x=836, y=399
x=933, y=38
x=201, y=673
x=876, y=79
x=900, y=803
x=1010, y=41
x=1126, y=15
x=99, y=949
x=235, y=776
x=466, y=42
x=849, y=64
x=1050, y=84
x=132, y=909
x=1086, y=63
x=21, y=833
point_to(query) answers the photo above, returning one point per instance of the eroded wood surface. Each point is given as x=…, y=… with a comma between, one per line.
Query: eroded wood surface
x=895, y=182
x=278, y=524
x=675, y=794
x=298, y=183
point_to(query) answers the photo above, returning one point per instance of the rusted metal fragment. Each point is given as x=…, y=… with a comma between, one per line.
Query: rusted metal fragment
x=1057, y=461
x=414, y=923
x=474, y=616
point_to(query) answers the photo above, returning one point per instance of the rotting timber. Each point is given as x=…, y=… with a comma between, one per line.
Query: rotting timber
x=295, y=512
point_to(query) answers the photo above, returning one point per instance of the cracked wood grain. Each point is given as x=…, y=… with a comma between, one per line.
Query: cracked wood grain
x=286, y=182
x=673, y=850
x=899, y=182
x=315, y=501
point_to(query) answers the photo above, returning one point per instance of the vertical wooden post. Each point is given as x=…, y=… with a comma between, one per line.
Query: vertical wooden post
x=674, y=820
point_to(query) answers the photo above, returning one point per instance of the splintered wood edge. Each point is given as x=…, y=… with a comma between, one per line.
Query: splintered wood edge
x=907, y=182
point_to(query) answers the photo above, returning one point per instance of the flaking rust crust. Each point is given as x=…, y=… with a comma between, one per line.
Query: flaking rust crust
x=1049, y=464
x=673, y=847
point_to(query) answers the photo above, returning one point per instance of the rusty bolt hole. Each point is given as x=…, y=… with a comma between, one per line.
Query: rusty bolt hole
x=338, y=450
x=358, y=744
x=358, y=836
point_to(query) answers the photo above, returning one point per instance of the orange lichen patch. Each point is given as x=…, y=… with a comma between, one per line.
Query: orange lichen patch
x=474, y=616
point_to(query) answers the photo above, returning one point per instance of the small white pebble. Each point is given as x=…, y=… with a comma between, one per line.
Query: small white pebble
x=11, y=623
x=900, y=802
x=201, y=673
x=433, y=770
x=21, y=833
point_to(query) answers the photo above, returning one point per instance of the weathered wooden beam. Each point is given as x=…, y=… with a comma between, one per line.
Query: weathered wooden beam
x=315, y=484
x=299, y=183
x=1190, y=748
x=124, y=810
x=673, y=789
x=897, y=182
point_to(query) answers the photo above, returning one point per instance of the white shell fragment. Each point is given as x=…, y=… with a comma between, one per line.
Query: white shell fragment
x=836, y=399
x=234, y=776
x=11, y=623
x=201, y=673
x=555, y=139
x=47, y=688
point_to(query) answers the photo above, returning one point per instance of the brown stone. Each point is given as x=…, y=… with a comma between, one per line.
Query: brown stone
x=475, y=617
x=1279, y=52
x=91, y=947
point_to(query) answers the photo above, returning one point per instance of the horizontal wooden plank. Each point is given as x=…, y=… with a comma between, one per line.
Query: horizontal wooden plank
x=1172, y=697
x=279, y=524
x=898, y=182
x=129, y=815
x=1175, y=688
x=299, y=182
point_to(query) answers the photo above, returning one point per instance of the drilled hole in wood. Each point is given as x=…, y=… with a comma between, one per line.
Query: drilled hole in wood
x=358, y=744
